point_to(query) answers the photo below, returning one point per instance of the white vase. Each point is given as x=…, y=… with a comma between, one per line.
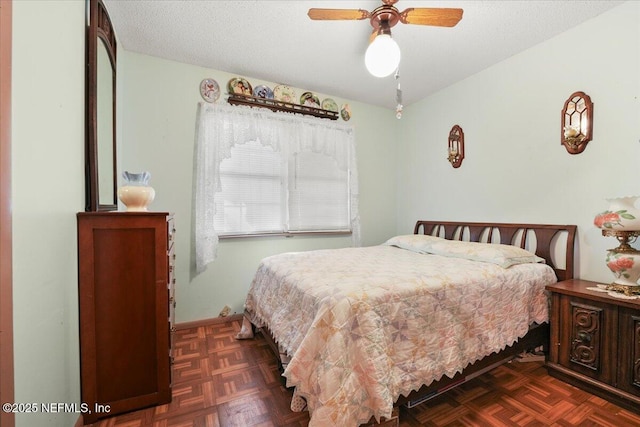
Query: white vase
x=136, y=197
x=622, y=214
x=625, y=266
x=136, y=193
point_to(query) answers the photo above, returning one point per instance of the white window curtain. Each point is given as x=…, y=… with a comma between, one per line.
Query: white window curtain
x=219, y=128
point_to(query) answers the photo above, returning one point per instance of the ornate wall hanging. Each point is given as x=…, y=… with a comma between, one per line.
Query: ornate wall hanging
x=576, y=122
x=456, y=146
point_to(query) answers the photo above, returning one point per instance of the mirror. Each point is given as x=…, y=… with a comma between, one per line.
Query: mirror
x=100, y=150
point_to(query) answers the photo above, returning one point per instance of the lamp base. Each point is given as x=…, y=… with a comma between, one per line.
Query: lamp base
x=628, y=290
x=624, y=238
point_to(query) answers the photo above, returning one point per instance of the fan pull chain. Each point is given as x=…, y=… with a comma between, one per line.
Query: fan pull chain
x=398, y=96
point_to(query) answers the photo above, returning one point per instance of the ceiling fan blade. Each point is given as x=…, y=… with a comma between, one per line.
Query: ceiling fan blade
x=439, y=17
x=338, y=14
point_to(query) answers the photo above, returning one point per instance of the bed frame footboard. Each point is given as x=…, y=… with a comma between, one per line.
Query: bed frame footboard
x=538, y=336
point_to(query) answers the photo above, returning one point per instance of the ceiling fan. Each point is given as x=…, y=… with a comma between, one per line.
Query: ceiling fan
x=387, y=14
x=382, y=19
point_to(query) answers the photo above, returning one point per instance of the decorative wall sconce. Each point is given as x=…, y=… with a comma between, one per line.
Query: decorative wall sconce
x=456, y=146
x=577, y=122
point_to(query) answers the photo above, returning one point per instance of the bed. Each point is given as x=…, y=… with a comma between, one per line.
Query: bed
x=360, y=331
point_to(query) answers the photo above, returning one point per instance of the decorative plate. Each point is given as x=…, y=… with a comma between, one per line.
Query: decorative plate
x=310, y=100
x=263, y=91
x=330, y=104
x=209, y=90
x=284, y=93
x=239, y=86
x=345, y=112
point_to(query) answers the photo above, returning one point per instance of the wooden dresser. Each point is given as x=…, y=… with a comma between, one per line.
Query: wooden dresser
x=125, y=286
x=595, y=342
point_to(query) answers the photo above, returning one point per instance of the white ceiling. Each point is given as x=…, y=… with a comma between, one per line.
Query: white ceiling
x=276, y=41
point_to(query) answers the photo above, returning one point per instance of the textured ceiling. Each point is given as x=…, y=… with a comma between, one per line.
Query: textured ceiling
x=276, y=41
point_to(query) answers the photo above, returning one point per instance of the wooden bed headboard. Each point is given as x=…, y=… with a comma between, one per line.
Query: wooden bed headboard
x=542, y=237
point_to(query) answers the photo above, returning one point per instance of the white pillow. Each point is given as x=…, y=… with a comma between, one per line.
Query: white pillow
x=412, y=242
x=503, y=255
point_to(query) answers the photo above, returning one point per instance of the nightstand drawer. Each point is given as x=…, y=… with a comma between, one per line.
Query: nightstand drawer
x=585, y=345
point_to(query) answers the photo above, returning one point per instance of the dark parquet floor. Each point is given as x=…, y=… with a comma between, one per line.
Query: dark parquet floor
x=221, y=382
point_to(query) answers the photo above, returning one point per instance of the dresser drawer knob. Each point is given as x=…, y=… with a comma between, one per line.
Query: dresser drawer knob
x=584, y=336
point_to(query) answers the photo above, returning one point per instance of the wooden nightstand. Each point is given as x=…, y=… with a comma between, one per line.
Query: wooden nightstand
x=595, y=342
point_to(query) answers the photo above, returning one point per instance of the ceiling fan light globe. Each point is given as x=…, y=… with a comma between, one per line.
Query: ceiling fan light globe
x=382, y=56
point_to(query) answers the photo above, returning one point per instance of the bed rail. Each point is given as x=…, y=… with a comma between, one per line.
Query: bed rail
x=543, y=239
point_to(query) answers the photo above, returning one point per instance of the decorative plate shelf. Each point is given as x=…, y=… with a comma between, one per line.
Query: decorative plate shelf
x=275, y=105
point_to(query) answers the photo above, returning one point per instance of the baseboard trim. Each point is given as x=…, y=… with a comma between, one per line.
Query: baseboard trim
x=207, y=322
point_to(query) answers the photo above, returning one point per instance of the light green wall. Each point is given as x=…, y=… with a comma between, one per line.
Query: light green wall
x=158, y=102
x=47, y=191
x=515, y=169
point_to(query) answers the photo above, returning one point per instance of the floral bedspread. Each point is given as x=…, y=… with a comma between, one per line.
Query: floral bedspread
x=365, y=325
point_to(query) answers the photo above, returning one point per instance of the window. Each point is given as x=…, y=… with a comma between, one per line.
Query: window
x=251, y=195
x=259, y=172
x=263, y=192
x=318, y=194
